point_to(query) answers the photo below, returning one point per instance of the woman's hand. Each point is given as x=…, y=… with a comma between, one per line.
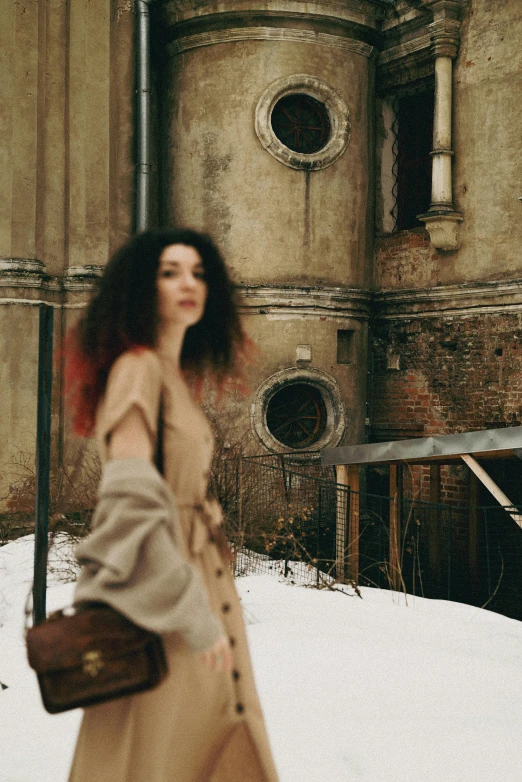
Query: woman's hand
x=219, y=656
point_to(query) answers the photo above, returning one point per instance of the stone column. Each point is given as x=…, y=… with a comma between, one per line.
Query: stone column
x=441, y=189
x=442, y=219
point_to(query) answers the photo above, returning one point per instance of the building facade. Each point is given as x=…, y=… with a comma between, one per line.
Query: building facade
x=358, y=162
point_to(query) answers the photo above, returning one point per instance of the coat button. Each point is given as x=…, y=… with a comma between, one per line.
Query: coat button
x=219, y=572
x=240, y=708
x=232, y=641
x=235, y=675
x=225, y=608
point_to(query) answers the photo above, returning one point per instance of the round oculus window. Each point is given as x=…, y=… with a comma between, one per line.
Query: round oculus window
x=301, y=123
x=296, y=415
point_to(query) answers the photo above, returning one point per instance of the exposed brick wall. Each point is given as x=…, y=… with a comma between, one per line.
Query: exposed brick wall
x=442, y=375
x=454, y=375
x=405, y=259
x=454, y=484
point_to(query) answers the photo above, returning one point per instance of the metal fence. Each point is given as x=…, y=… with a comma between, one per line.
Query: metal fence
x=282, y=514
x=287, y=516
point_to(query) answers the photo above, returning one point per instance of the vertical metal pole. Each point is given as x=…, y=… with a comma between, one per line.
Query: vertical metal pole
x=318, y=529
x=395, y=526
x=43, y=459
x=341, y=515
x=450, y=533
x=240, y=503
x=284, y=475
x=434, y=529
x=473, y=536
x=353, y=522
x=488, y=560
x=143, y=115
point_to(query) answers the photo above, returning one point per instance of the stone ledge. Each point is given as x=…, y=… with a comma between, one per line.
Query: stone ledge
x=25, y=281
x=364, y=13
x=285, y=34
x=81, y=278
x=293, y=301
x=472, y=298
x=423, y=42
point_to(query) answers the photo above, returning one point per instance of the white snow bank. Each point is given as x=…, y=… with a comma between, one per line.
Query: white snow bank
x=352, y=689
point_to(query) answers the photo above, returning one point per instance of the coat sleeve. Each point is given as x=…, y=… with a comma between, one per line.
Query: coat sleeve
x=134, y=381
x=132, y=561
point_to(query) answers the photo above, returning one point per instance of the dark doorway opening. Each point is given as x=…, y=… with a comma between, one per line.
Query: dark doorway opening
x=415, y=142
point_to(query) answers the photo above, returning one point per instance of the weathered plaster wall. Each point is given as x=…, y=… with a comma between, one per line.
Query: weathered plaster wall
x=18, y=383
x=66, y=178
x=65, y=143
x=385, y=196
x=278, y=336
x=289, y=230
x=276, y=223
x=488, y=164
x=18, y=118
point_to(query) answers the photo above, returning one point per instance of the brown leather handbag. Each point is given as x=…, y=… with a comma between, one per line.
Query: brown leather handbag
x=91, y=653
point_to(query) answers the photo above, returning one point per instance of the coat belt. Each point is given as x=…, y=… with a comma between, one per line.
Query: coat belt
x=205, y=524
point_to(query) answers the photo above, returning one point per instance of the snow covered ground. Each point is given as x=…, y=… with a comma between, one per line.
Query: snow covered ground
x=352, y=689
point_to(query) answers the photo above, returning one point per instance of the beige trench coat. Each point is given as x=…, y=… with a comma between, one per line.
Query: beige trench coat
x=198, y=725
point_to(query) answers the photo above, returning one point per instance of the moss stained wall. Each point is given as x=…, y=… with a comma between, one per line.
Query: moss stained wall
x=66, y=177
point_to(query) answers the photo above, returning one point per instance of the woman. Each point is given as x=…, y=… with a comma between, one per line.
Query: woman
x=164, y=312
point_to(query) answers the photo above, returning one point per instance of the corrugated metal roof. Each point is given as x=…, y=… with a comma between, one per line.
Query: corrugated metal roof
x=486, y=444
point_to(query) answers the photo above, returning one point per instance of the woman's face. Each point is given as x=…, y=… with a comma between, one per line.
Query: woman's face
x=182, y=290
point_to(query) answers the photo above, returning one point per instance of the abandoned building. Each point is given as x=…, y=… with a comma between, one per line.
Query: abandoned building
x=359, y=163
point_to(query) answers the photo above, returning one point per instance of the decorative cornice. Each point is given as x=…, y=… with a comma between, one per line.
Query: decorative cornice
x=21, y=273
x=401, y=75
x=363, y=13
x=444, y=9
x=28, y=276
x=81, y=278
x=466, y=299
x=22, y=266
x=401, y=14
x=286, y=34
x=403, y=49
x=445, y=28
x=445, y=37
x=293, y=302
x=429, y=31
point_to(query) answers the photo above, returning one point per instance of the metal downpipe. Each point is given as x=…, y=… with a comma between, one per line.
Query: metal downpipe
x=143, y=115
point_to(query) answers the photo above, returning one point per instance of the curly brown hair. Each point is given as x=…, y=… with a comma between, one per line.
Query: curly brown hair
x=123, y=315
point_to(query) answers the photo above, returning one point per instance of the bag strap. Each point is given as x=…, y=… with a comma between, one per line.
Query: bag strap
x=159, y=455
x=158, y=461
